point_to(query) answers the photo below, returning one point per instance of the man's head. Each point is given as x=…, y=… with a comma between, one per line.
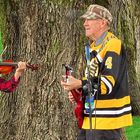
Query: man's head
x=97, y=20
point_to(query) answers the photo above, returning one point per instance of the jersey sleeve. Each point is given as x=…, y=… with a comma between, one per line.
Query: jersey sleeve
x=110, y=66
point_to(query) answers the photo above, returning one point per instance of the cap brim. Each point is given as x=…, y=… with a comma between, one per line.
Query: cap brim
x=89, y=16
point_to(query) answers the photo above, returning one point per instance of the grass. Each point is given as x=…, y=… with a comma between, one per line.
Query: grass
x=133, y=132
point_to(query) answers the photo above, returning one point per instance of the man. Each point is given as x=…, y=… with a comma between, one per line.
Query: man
x=10, y=85
x=108, y=75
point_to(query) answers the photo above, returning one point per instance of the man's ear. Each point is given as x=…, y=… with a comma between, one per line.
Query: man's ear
x=104, y=22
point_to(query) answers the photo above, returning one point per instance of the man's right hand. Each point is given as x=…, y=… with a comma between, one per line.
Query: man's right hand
x=70, y=96
x=72, y=83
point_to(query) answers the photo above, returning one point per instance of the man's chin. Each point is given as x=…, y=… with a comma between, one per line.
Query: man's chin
x=90, y=37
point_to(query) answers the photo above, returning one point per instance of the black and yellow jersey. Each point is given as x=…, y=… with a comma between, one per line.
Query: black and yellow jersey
x=112, y=109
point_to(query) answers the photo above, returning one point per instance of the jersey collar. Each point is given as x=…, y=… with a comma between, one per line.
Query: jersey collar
x=101, y=38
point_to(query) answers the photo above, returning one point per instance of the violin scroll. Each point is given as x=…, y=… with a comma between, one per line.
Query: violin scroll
x=32, y=66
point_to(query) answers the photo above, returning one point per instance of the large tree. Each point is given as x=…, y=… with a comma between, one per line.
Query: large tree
x=44, y=33
x=49, y=33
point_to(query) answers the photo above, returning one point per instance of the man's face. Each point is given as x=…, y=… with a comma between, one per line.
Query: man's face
x=92, y=27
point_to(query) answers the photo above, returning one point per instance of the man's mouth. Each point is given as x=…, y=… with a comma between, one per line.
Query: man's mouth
x=87, y=29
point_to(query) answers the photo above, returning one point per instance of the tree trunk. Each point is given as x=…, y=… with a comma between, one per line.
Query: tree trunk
x=49, y=33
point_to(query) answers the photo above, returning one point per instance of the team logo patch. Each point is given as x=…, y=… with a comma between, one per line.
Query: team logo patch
x=108, y=63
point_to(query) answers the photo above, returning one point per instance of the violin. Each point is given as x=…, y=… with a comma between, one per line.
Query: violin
x=8, y=66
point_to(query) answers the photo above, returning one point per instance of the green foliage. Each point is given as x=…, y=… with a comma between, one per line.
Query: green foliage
x=132, y=132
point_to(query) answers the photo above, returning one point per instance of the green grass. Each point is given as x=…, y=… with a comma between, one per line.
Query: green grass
x=133, y=132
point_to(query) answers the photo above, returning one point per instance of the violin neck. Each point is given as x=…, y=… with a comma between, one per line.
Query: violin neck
x=8, y=64
x=14, y=64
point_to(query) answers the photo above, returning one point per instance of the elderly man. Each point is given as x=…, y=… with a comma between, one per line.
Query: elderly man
x=109, y=104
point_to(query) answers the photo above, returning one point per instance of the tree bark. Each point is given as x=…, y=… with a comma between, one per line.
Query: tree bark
x=49, y=33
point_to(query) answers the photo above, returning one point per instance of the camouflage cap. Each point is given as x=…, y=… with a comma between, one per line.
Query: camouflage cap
x=96, y=11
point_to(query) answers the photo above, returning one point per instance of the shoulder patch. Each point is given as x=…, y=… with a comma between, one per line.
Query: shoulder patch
x=108, y=63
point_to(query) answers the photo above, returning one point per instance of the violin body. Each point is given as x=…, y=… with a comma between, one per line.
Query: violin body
x=6, y=67
x=78, y=110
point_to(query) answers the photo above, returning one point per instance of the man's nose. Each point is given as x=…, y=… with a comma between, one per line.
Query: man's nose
x=85, y=22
